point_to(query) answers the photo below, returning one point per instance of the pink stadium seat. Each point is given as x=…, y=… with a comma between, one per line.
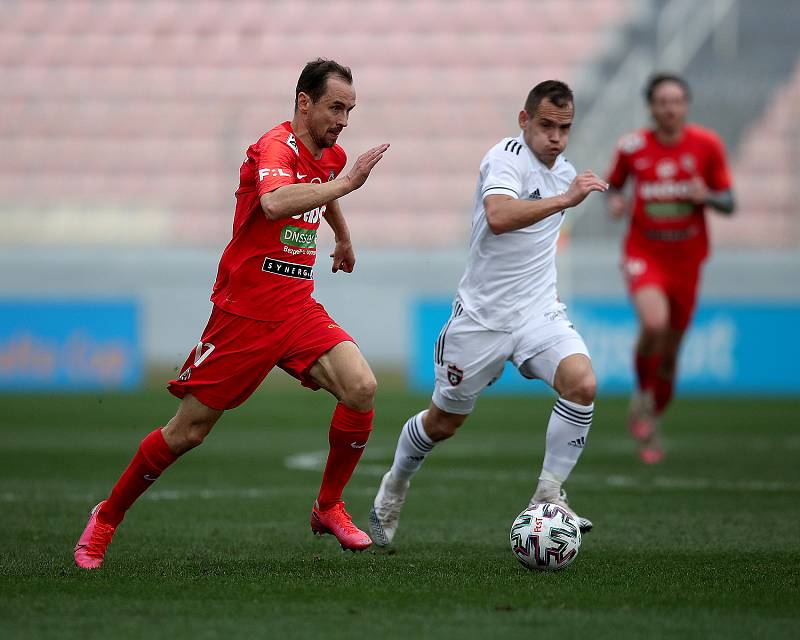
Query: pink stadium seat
x=154, y=102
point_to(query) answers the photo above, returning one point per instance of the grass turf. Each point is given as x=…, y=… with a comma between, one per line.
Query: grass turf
x=704, y=545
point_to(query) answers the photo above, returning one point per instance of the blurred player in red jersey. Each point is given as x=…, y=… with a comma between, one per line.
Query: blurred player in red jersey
x=678, y=170
x=264, y=315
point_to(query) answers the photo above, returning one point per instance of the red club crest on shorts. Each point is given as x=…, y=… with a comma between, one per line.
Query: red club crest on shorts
x=454, y=374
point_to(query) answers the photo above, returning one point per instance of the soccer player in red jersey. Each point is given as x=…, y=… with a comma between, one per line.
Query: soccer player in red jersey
x=678, y=170
x=264, y=315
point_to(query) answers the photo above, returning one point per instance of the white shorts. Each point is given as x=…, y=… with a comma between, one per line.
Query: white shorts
x=469, y=357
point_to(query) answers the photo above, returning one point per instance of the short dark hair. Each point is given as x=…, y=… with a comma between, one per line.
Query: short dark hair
x=554, y=90
x=657, y=78
x=314, y=78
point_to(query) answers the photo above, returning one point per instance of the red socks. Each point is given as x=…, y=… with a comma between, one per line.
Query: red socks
x=348, y=436
x=662, y=393
x=646, y=369
x=649, y=380
x=152, y=457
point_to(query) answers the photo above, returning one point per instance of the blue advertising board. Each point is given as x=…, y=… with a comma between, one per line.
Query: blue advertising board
x=55, y=345
x=731, y=347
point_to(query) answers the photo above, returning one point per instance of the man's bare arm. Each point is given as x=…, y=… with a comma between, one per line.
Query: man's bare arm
x=504, y=213
x=343, y=255
x=292, y=199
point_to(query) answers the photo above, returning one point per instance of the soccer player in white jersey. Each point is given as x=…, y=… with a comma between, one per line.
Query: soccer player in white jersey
x=507, y=307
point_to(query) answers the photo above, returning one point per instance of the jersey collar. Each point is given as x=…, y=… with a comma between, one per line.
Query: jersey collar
x=302, y=148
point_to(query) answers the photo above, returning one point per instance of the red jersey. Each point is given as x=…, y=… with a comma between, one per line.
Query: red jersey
x=664, y=222
x=266, y=271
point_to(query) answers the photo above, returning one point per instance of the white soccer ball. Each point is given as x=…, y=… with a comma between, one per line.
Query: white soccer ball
x=545, y=537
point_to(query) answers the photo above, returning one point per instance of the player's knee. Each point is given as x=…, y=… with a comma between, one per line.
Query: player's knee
x=184, y=435
x=360, y=393
x=655, y=328
x=582, y=389
x=194, y=438
x=442, y=427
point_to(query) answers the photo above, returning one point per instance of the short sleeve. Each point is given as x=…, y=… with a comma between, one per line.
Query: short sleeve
x=503, y=174
x=276, y=165
x=717, y=176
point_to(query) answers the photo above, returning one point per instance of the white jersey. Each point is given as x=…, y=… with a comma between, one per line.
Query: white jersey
x=512, y=276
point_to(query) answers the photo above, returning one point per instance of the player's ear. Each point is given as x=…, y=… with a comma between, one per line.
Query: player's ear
x=523, y=119
x=303, y=102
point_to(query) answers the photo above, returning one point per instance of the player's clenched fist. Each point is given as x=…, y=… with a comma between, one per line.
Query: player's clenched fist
x=583, y=184
x=360, y=171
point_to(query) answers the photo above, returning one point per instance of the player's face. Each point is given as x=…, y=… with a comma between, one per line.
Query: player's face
x=669, y=106
x=326, y=117
x=546, y=132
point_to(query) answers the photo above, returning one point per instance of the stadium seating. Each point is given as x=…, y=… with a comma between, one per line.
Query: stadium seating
x=146, y=107
x=764, y=174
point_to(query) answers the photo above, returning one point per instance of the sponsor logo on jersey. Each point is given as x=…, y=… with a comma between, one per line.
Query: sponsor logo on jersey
x=331, y=176
x=298, y=237
x=535, y=195
x=671, y=235
x=454, y=375
x=288, y=269
x=632, y=142
x=314, y=215
x=668, y=210
x=688, y=163
x=666, y=168
x=665, y=190
x=292, y=143
x=300, y=176
x=275, y=173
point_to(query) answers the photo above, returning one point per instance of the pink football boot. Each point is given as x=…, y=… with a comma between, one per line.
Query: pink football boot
x=92, y=545
x=339, y=523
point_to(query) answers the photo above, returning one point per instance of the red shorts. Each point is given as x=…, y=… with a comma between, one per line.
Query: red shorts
x=678, y=281
x=235, y=354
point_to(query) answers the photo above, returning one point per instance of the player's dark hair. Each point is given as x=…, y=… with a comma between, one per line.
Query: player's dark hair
x=555, y=91
x=314, y=78
x=657, y=78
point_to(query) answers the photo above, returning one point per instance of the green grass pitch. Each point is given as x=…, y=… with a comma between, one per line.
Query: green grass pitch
x=706, y=545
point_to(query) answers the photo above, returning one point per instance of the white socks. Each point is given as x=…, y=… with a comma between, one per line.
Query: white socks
x=566, y=436
x=412, y=447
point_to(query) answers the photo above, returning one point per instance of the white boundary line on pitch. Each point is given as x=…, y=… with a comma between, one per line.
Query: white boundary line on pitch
x=315, y=461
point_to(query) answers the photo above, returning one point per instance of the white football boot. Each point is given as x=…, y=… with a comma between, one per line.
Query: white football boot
x=584, y=524
x=385, y=513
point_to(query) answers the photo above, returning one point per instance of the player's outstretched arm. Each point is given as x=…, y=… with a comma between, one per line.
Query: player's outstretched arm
x=296, y=198
x=504, y=213
x=343, y=255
